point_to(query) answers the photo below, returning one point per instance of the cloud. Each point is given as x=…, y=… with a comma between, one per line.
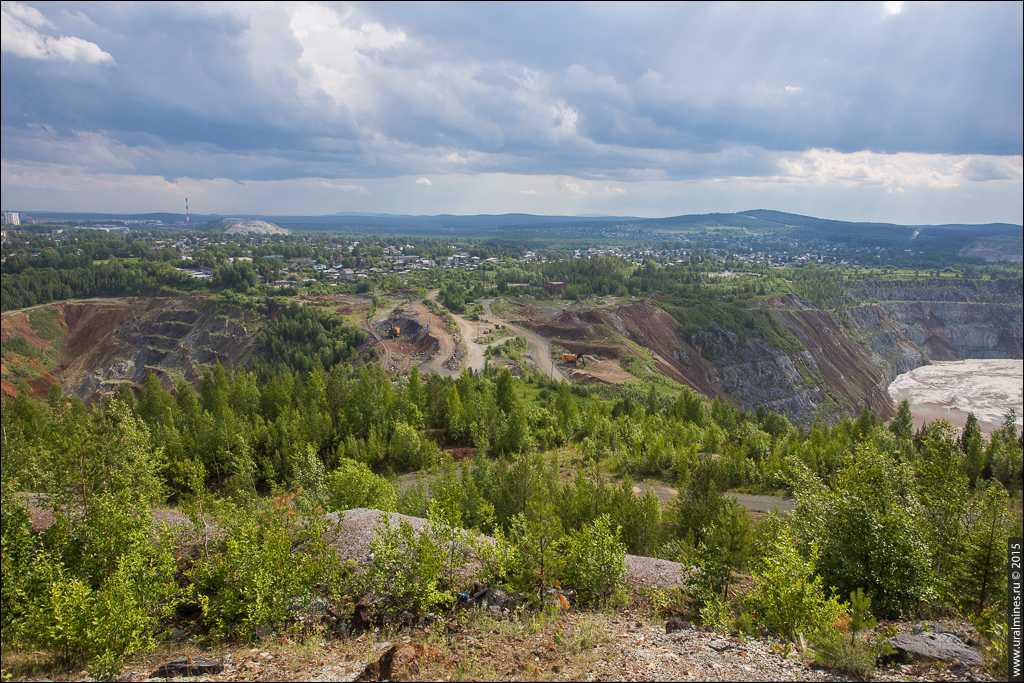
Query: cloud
x=424, y=181
x=21, y=37
x=365, y=92
x=896, y=172
x=892, y=8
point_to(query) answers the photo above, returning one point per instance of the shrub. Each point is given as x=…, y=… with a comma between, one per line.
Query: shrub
x=595, y=563
x=855, y=652
x=98, y=625
x=787, y=597
x=354, y=485
x=536, y=537
x=451, y=540
x=404, y=573
x=500, y=562
x=268, y=572
x=870, y=529
x=17, y=549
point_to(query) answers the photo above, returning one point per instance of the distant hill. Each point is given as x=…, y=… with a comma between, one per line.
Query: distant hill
x=988, y=241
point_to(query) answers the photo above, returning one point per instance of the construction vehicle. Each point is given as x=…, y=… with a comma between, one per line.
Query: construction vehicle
x=396, y=332
x=571, y=358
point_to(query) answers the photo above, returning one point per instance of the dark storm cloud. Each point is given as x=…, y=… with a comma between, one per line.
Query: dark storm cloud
x=620, y=91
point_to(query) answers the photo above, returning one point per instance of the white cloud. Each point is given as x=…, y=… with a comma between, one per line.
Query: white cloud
x=573, y=186
x=565, y=119
x=892, y=8
x=30, y=185
x=424, y=181
x=336, y=50
x=20, y=36
x=897, y=172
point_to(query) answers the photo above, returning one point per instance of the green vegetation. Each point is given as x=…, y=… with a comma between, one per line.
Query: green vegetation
x=244, y=465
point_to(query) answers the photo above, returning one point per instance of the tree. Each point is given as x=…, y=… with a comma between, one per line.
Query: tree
x=903, y=424
x=988, y=525
x=536, y=534
x=867, y=523
x=973, y=446
x=726, y=546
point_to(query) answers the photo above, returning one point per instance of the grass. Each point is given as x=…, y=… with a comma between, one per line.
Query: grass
x=46, y=323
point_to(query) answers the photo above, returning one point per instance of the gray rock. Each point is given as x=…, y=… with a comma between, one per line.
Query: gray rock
x=188, y=666
x=720, y=645
x=944, y=647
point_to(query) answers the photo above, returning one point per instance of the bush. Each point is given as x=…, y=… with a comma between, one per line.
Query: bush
x=787, y=597
x=595, y=563
x=536, y=535
x=97, y=621
x=855, y=652
x=17, y=548
x=404, y=573
x=354, y=485
x=270, y=571
x=870, y=529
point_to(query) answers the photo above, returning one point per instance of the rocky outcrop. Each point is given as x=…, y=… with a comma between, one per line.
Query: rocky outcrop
x=99, y=345
x=942, y=647
x=904, y=335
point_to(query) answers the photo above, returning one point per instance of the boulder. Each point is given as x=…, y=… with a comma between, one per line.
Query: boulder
x=188, y=666
x=676, y=624
x=943, y=647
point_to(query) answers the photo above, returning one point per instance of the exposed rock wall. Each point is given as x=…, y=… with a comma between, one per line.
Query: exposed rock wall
x=907, y=334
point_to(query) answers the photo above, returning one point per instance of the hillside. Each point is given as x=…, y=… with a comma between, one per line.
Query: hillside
x=802, y=361
x=93, y=346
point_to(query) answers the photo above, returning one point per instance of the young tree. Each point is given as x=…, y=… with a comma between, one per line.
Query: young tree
x=903, y=424
x=973, y=446
x=988, y=524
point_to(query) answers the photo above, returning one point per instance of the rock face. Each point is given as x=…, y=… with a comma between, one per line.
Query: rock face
x=104, y=343
x=847, y=358
x=803, y=361
x=907, y=334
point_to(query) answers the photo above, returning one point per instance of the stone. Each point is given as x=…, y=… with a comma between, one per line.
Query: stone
x=676, y=624
x=362, y=616
x=401, y=658
x=943, y=647
x=720, y=645
x=188, y=666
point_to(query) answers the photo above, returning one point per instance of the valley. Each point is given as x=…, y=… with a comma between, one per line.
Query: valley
x=521, y=415
x=839, y=360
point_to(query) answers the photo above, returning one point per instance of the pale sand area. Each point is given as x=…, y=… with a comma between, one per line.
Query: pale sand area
x=950, y=390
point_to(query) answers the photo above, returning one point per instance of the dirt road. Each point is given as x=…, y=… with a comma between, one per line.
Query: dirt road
x=539, y=347
x=445, y=342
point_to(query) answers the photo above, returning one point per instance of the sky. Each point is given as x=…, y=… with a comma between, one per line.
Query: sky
x=903, y=112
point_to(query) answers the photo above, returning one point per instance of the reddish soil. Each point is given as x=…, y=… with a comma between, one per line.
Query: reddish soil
x=16, y=324
x=91, y=326
x=602, y=332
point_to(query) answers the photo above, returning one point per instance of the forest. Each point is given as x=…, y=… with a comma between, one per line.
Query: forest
x=889, y=522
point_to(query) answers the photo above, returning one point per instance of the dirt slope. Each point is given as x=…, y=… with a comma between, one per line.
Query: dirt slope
x=91, y=347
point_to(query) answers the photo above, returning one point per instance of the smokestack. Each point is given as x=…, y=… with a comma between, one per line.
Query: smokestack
x=188, y=216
